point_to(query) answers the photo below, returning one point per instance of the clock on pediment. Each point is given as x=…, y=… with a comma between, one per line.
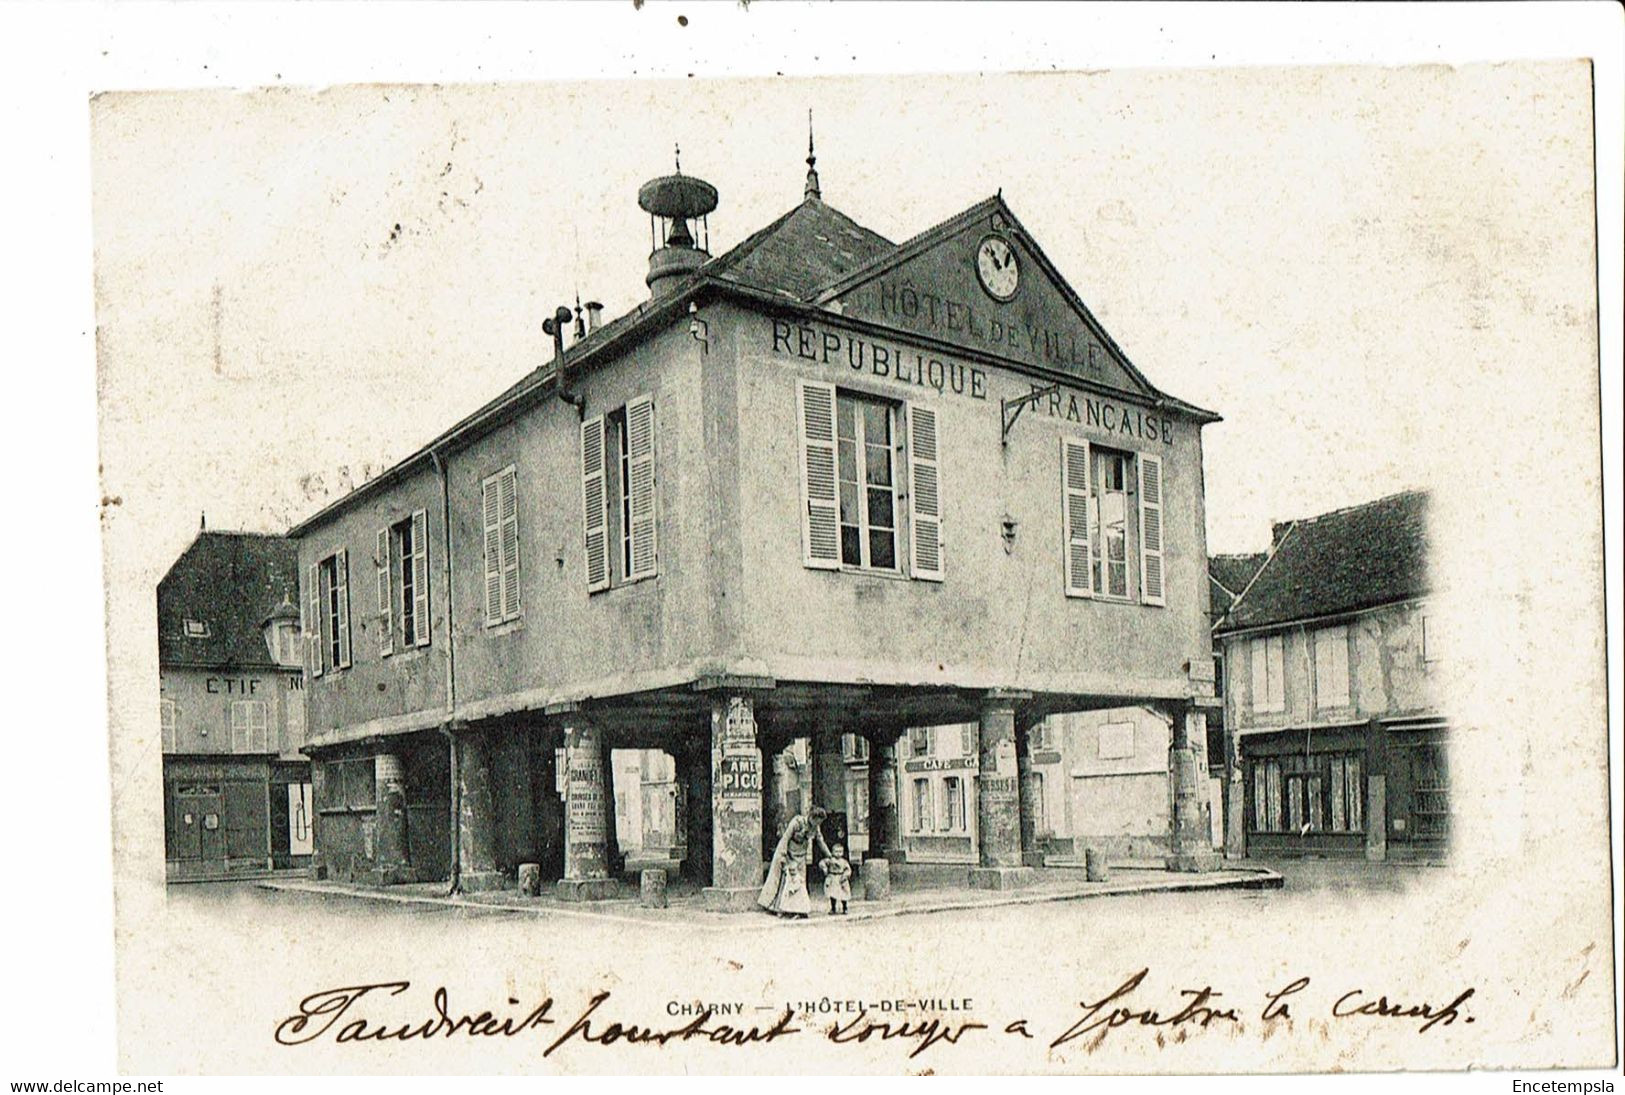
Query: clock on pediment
x=997, y=268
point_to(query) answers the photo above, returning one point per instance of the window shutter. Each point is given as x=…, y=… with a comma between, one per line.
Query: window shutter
x=1151, y=581
x=420, y=575
x=1075, y=498
x=1261, y=675
x=924, y=495
x=341, y=571
x=640, y=444
x=239, y=726
x=313, y=621
x=594, y=505
x=386, y=618
x=510, y=544
x=820, y=535
x=491, y=503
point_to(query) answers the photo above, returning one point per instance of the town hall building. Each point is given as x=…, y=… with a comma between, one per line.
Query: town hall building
x=816, y=490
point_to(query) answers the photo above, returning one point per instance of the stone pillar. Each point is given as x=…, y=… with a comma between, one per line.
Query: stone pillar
x=736, y=805
x=586, y=818
x=1031, y=854
x=773, y=773
x=1190, y=842
x=885, y=832
x=693, y=759
x=476, y=820
x=392, y=863
x=998, y=797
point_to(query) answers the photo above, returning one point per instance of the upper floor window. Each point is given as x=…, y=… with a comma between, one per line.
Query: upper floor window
x=1269, y=668
x=327, y=612
x=249, y=727
x=1111, y=502
x=853, y=483
x=854, y=748
x=402, y=565
x=1331, y=667
x=919, y=740
x=499, y=504
x=618, y=495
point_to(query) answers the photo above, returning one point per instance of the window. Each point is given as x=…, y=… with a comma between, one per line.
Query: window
x=968, y=734
x=248, y=727
x=919, y=740
x=1332, y=667
x=195, y=629
x=166, y=725
x=1116, y=741
x=953, y=795
x=867, y=487
x=618, y=495
x=402, y=562
x=500, y=507
x=1105, y=492
x=1269, y=667
x=1040, y=806
x=853, y=482
x=922, y=805
x=1038, y=737
x=854, y=748
x=328, y=613
x=1308, y=794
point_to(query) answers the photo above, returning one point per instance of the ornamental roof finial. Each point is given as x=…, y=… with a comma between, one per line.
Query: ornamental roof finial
x=812, y=191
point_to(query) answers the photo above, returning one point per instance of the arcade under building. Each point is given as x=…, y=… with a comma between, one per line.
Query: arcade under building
x=816, y=490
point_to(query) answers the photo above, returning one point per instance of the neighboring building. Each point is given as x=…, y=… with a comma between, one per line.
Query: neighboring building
x=237, y=794
x=1338, y=746
x=818, y=487
x=1228, y=577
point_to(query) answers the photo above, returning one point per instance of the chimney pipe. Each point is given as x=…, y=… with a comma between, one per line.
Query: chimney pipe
x=595, y=316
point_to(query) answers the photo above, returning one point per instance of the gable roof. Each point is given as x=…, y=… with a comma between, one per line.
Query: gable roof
x=800, y=258
x=1350, y=559
x=232, y=582
x=1229, y=575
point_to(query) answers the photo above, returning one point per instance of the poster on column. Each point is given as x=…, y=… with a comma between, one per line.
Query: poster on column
x=1067, y=376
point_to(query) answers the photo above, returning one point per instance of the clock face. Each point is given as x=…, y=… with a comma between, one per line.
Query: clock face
x=997, y=268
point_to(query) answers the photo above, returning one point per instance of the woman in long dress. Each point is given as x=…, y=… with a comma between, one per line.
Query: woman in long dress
x=785, y=891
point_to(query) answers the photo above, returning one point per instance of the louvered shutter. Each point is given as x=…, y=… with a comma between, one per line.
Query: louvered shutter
x=239, y=726
x=924, y=495
x=386, y=618
x=820, y=528
x=313, y=621
x=341, y=572
x=420, y=576
x=491, y=504
x=1151, y=578
x=510, y=544
x=1075, y=499
x=594, y=511
x=640, y=471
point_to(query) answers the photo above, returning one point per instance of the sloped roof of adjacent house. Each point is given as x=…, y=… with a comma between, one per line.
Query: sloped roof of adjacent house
x=794, y=261
x=1344, y=561
x=1230, y=575
x=230, y=583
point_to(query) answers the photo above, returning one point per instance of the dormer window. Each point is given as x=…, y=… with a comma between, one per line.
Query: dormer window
x=196, y=629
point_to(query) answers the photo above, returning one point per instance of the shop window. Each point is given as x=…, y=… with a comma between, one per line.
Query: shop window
x=1331, y=646
x=328, y=612
x=1313, y=794
x=249, y=726
x=1348, y=794
x=922, y=805
x=953, y=807
x=402, y=562
x=1269, y=668
x=618, y=495
x=499, y=506
x=166, y=725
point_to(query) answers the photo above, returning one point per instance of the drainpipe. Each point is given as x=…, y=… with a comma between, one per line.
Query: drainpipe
x=451, y=679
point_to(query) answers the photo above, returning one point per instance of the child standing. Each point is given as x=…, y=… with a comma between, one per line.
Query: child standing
x=837, y=879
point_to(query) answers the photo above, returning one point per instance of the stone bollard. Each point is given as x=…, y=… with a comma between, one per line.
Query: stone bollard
x=1094, y=864
x=530, y=879
x=876, y=879
x=652, y=888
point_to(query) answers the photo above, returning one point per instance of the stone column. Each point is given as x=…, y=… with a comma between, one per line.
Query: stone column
x=586, y=818
x=1031, y=854
x=885, y=830
x=1190, y=843
x=612, y=837
x=773, y=815
x=736, y=805
x=476, y=820
x=998, y=796
x=392, y=864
